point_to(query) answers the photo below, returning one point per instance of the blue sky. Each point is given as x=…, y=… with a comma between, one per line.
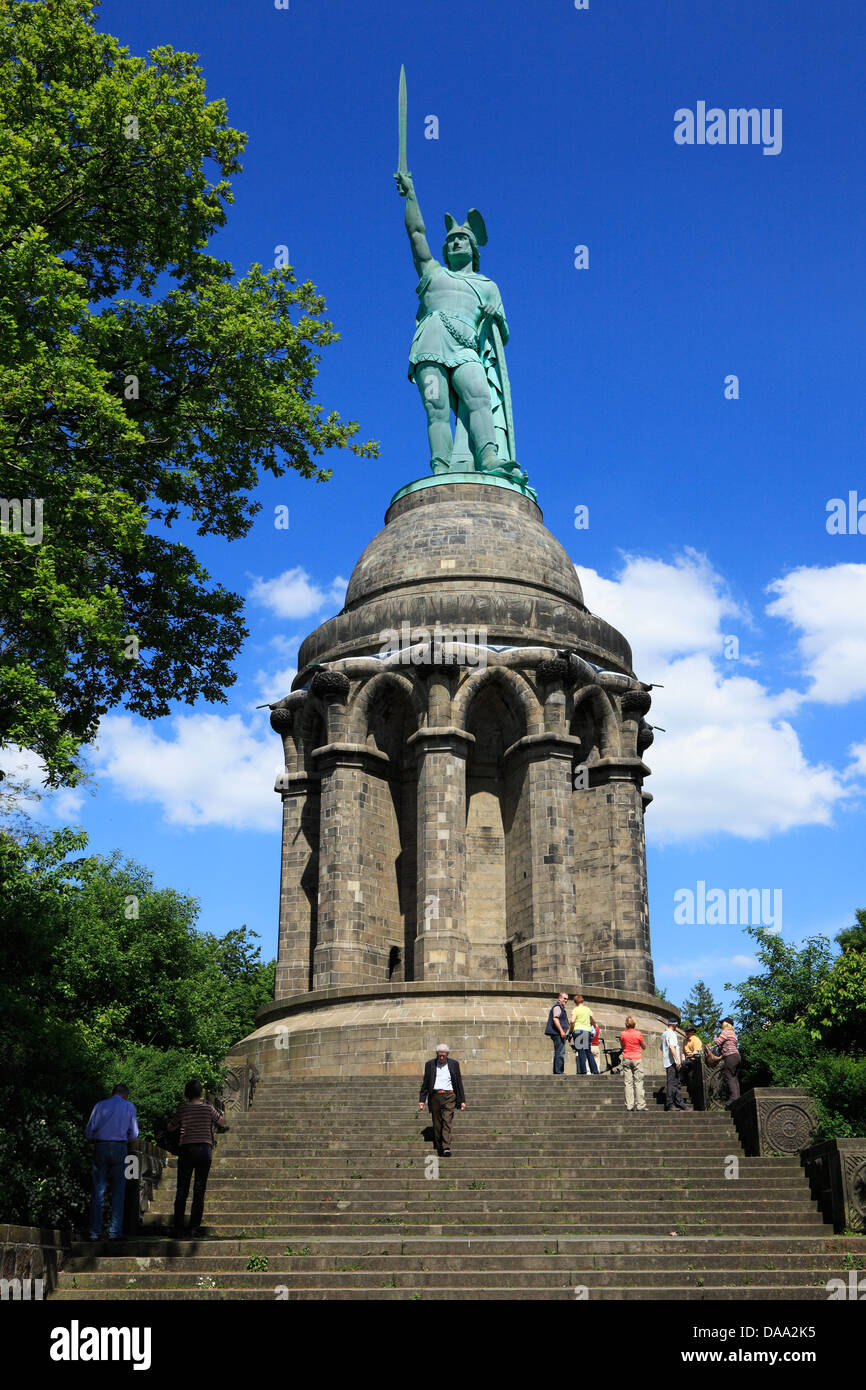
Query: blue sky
x=707, y=515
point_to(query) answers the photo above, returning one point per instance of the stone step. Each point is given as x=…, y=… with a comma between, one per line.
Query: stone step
x=796, y=1265
x=490, y=1224
x=311, y=1187
x=549, y=1188
x=449, y=1292
x=672, y=1249
x=539, y=1164
x=469, y=1204
x=365, y=1277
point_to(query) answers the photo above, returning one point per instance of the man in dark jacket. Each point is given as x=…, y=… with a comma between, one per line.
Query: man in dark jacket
x=442, y=1089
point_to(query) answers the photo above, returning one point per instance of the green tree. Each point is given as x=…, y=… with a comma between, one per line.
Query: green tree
x=854, y=938
x=784, y=991
x=701, y=1009
x=140, y=381
x=126, y=989
x=803, y=1023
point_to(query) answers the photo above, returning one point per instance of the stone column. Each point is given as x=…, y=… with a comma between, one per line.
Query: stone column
x=549, y=951
x=299, y=879
x=299, y=855
x=340, y=956
x=442, y=943
x=610, y=875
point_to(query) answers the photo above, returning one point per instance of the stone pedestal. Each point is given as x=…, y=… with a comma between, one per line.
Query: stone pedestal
x=493, y=1029
x=463, y=790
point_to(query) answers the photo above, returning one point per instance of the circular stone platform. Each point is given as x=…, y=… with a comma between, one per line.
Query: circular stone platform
x=493, y=1029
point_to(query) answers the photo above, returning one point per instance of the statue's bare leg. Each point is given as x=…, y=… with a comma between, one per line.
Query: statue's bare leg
x=432, y=381
x=470, y=384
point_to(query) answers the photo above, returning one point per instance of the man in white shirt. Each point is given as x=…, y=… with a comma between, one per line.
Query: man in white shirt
x=671, y=1062
x=442, y=1089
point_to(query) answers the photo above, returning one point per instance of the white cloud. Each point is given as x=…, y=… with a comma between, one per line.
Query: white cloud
x=62, y=804
x=858, y=767
x=292, y=595
x=730, y=761
x=209, y=769
x=665, y=609
x=828, y=605
x=273, y=685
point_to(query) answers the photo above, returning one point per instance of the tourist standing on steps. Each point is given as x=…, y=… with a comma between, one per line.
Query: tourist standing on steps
x=582, y=1022
x=633, y=1048
x=557, y=1031
x=728, y=1045
x=692, y=1044
x=196, y=1120
x=595, y=1043
x=671, y=1063
x=112, y=1124
x=442, y=1089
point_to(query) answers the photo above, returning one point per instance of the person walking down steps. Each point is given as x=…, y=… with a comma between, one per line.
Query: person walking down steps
x=442, y=1089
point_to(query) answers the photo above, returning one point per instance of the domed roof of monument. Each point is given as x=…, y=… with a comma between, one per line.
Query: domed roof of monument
x=459, y=531
x=465, y=555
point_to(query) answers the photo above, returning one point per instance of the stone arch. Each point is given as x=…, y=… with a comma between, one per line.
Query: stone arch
x=515, y=691
x=371, y=693
x=492, y=707
x=310, y=732
x=594, y=722
x=383, y=716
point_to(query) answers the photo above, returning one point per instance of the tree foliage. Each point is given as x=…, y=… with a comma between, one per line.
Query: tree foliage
x=103, y=978
x=140, y=381
x=701, y=1009
x=803, y=1023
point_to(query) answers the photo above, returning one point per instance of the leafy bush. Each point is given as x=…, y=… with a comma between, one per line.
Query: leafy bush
x=156, y=1079
x=127, y=990
x=838, y=1083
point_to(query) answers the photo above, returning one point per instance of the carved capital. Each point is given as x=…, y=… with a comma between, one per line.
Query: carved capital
x=553, y=669
x=282, y=719
x=635, y=703
x=330, y=685
x=645, y=737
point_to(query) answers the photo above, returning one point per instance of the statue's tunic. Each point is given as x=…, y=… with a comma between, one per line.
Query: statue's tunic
x=449, y=317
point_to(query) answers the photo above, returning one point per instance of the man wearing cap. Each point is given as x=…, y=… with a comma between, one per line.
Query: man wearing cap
x=671, y=1063
x=442, y=1089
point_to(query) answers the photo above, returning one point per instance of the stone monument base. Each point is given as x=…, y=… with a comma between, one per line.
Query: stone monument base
x=494, y=1029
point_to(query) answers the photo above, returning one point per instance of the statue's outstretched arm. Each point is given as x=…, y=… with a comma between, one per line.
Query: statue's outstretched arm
x=421, y=253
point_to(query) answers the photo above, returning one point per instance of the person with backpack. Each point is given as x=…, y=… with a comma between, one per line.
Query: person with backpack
x=195, y=1120
x=557, y=1031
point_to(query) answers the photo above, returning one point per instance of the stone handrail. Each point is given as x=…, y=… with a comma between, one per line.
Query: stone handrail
x=836, y=1170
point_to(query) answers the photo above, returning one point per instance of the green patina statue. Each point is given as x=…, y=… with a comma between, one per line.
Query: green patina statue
x=457, y=357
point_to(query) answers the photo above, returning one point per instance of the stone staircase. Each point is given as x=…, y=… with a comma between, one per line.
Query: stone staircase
x=320, y=1192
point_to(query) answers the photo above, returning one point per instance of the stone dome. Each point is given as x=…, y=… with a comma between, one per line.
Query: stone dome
x=466, y=554
x=463, y=532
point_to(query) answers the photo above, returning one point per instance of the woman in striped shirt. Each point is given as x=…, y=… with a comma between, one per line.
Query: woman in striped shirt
x=726, y=1042
x=196, y=1122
